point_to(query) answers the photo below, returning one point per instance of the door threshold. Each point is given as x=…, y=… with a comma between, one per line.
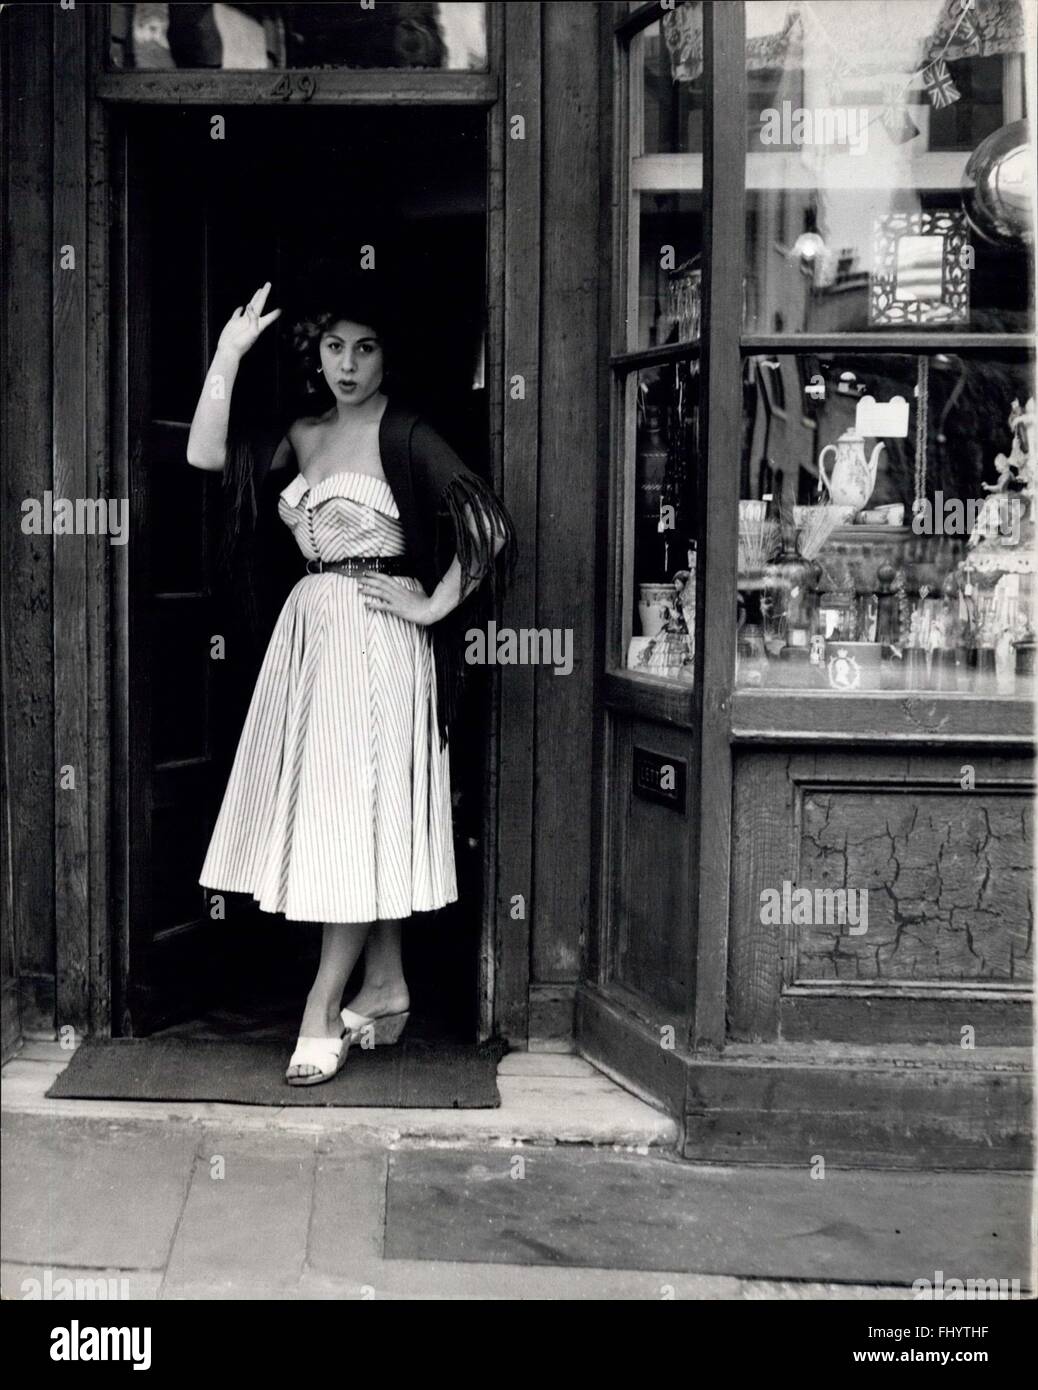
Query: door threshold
x=547, y=1098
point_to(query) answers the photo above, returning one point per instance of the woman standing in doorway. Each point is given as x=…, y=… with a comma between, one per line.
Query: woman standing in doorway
x=338, y=805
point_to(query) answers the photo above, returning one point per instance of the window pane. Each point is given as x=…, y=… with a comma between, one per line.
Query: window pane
x=299, y=36
x=886, y=531
x=668, y=73
x=887, y=166
x=666, y=179
x=664, y=525
x=669, y=275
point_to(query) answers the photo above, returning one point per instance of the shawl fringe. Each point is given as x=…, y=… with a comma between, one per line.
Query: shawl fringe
x=464, y=500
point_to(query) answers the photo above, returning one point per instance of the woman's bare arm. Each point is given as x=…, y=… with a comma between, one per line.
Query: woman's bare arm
x=207, y=442
x=451, y=589
x=383, y=593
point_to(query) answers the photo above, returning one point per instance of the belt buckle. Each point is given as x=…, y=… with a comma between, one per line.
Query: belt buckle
x=310, y=564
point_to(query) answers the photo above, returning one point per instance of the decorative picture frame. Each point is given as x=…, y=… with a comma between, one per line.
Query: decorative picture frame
x=920, y=269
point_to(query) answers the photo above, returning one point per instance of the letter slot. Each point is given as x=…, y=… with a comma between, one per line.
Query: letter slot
x=660, y=777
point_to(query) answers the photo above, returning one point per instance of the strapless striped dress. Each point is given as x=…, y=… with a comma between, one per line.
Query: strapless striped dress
x=338, y=805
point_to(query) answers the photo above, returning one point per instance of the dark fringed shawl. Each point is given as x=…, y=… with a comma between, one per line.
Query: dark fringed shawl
x=445, y=510
x=468, y=506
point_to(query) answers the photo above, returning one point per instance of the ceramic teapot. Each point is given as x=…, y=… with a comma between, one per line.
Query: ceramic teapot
x=853, y=477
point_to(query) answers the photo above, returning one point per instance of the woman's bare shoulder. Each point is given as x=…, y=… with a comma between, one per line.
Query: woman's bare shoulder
x=307, y=424
x=295, y=440
x=307, y=427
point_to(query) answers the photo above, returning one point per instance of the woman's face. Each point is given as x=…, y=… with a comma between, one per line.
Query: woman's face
x=351, y=360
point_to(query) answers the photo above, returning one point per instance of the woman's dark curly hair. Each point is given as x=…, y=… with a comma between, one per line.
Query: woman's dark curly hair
x=355, y=303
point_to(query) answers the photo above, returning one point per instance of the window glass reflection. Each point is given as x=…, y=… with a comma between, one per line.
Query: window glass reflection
x=412, y=35
x=888, y=167
x=666, y=179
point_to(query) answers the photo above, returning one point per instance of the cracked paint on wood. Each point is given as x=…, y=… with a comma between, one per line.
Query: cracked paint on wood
x=948, y=877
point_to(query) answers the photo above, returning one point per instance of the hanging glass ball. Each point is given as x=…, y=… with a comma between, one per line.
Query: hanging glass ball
x=996, y=194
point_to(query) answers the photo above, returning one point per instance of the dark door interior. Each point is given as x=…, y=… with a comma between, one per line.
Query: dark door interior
x=207, y=220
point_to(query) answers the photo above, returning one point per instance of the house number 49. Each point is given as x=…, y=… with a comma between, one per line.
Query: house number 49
x=287, y=87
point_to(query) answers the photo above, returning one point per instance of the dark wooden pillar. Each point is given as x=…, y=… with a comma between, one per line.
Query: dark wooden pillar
x=570, y=478
x=724, y=145
x=27, y=560
x=71, y=650
x=517, y=325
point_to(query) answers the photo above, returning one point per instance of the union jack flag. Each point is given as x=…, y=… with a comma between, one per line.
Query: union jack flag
x=938, y=82
x=967, y=35
x=895, y=118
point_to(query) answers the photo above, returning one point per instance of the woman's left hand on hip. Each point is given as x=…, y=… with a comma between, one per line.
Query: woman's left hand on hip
x=386, y=596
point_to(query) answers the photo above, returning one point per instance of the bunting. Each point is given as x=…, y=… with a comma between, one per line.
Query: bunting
x=939, y=85
x=896, y=120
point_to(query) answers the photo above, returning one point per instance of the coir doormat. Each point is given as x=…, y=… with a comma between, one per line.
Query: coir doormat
x=409, y=1075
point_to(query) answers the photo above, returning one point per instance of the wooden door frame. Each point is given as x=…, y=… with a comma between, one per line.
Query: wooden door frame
x=91, y=457
x=617, y=1028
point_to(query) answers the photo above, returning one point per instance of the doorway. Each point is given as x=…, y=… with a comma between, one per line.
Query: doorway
x=205, y=220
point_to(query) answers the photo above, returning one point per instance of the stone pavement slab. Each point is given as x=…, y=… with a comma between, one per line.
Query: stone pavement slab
x=293, y=1216
x=349, y=1212
x=602, y=1210
x=247, y=1213
x=95, y=1194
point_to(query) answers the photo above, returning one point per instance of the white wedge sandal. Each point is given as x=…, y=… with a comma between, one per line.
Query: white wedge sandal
x=386, y=1028
x=328, y=1055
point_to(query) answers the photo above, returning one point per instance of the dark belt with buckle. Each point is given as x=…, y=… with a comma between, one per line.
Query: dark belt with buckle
x=360, y=564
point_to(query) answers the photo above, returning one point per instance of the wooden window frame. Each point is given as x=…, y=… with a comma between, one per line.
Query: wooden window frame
x=705, y=708
x=323, y=87
x=751, y=715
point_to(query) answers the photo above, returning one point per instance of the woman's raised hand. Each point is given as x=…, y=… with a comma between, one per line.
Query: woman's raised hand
x=246, y=324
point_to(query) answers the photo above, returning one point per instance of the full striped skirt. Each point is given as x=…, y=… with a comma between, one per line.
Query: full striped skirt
x=338, y=805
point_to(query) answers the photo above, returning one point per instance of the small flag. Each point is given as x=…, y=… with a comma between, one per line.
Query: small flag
x=896, y=121
x=967, y=36
x=938, y=82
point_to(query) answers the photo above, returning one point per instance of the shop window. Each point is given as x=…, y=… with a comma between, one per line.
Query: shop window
x=659, y=335
x=242, y=37
x=663, y=620
x=886, y=526
x=665, y=142
x=887, y=169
